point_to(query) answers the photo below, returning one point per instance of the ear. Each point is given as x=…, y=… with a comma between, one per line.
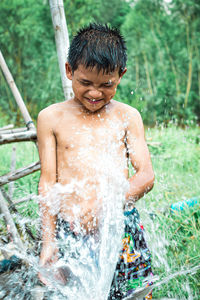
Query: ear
x=68, y=70
x=122, y=74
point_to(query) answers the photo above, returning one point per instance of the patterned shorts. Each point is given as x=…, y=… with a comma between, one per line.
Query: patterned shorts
x=134, y=265
x=133, y=269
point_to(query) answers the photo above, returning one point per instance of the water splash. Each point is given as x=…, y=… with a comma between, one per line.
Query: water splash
x=94, y=276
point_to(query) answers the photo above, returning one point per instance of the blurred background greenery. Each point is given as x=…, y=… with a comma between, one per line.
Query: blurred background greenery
x=163, y=41
x=162, y=82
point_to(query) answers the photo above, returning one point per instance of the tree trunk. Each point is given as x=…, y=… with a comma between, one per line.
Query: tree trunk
x=147, y=73
x=198, y=66
x=189, y=80
x=178, y=91
x=137, y=71
x=62, y=42
x=158, y=47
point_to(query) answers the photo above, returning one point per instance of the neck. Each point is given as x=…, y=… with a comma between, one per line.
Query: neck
x=82, y=109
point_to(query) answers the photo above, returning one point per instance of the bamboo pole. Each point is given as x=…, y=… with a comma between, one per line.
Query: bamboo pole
x=6, y=196
x=13, y=203
x=25, y=199
x=7, y=127
x=11, y=185
x=18, y=137
x=14, y=130
x=20, y=173
x=9, y=221
x=62, y=42
x=12, y=206
x=16, y=93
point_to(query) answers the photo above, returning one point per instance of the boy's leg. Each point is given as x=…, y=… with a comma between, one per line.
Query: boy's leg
x=75, y=249
x=134, y=266
x=67, y=241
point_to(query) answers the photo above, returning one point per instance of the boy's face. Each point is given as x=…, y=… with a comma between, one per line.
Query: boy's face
x=91, y=88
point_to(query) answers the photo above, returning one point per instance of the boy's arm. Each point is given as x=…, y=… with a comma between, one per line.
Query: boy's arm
x=47, y=153
x=142, y=181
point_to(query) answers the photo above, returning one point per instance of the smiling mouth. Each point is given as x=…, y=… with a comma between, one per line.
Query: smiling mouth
x=94, y=101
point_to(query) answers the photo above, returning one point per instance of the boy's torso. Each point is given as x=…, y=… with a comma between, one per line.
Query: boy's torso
x=91, y=151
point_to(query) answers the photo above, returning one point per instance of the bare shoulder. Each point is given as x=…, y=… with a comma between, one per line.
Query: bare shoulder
x=51, y=110
x=51, y=115
x=128, y=113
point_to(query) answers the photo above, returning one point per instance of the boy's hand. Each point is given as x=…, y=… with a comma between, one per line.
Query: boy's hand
x=48, y=257
x=86, y=222
x=89, y=221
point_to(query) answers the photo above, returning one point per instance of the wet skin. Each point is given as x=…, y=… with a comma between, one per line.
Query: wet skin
x=93, y=89
x=72, y=138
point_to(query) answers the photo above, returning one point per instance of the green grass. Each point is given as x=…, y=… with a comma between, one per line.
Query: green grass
x=26, y=153
x=174, y=238
x=176, y=164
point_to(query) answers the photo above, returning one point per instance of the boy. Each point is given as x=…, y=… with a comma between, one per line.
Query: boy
x=74, y=139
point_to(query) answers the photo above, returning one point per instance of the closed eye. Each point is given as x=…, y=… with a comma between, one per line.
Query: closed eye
x=85, y=83
x=107, y=84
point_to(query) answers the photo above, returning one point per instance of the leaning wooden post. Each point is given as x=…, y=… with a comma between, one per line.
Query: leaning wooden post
x=9, y=221
x=16, y=93
x=11, y=185
x=62, y=42
x=19, y=173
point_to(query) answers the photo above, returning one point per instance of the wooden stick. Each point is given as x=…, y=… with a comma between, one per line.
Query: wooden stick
x=6, y=196
x=9, y=221
x=16, y=93
x=14, y=130
x=11, y=184
x=20, y=173
x=14, y=202
x=62, y=42
x=15, y=210
x=25, y=199
x=6, y=127
x=28, y=135
x=154, y=144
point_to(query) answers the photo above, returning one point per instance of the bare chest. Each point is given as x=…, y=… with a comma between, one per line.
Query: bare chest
x=94, y=136
x=90, y=150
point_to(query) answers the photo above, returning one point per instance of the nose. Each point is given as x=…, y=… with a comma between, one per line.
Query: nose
x=95, y=94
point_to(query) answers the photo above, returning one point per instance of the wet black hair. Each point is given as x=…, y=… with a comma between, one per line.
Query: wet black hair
x=98, y=46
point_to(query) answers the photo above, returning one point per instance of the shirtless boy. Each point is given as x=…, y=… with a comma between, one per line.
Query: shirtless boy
x=73, y=135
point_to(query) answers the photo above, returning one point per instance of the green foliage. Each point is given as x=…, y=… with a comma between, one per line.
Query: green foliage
x=163, y=44
x=163, y=41
x=80, y=13
x=27, y=43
